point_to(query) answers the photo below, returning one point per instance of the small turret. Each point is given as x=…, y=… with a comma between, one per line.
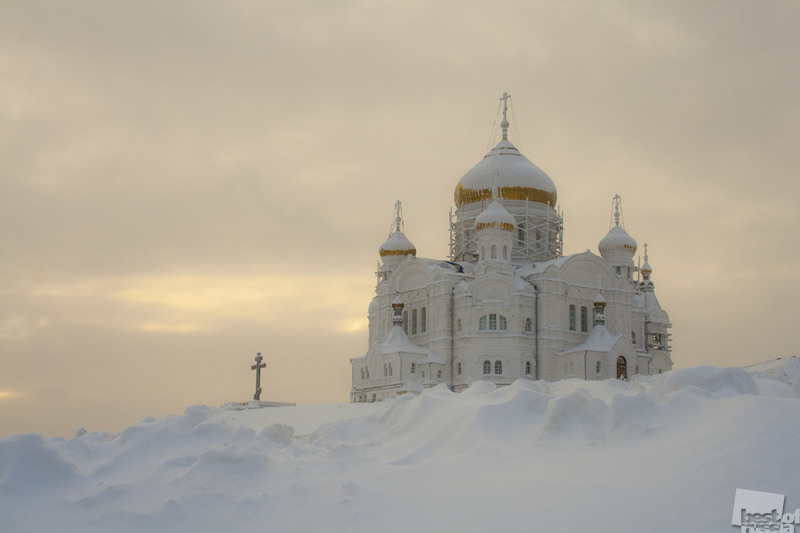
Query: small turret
x=397, y=247
x=495, y=229
x=618, y=248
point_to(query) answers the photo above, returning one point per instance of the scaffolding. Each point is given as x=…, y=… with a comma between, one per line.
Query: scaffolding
x=539, y=232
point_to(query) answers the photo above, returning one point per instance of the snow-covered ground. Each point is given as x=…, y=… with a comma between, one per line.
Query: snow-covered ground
x=664, y=453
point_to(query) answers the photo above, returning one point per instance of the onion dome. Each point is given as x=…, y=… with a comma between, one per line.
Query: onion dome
x=397, y=244
x=599, y=300
x=495, y=216
x=617, y=240
x=519, y=179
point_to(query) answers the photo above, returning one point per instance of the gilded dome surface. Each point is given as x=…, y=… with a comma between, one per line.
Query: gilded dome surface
x=397, y=244
x=495, y=216
x=516, y=177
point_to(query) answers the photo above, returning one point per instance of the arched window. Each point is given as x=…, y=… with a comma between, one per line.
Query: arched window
x=584, y=319
x=498, y=367
x=572, y=318
x=390, y=369
x=528, y=325
x=362, y=373
x=366, y=371
x=527, y=368
x=492, y=321
x=482, y=323
x=494, y=251
x=503, y=323
x=413, y=321
x=538, y=235
x=633, y=337
x=458, y=368
x=487, y=367
x=405, y=321
x=439, y=374
x=505, y=252
x=413, y=368
x=423, y=320
x=597, y=369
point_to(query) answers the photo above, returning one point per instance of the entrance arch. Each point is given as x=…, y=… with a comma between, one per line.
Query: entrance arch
x=622, y=368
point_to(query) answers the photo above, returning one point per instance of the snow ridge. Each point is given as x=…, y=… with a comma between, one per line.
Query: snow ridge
x=611, y=455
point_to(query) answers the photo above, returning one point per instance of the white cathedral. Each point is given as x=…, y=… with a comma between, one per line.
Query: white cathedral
x=508, y=305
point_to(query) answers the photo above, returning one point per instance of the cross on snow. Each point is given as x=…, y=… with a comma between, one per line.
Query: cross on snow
x=257, y=367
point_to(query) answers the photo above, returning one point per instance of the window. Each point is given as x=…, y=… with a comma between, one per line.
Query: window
x=494, y=251
x=584, y=319
x=619, y=271
x=498, y=367
x=413, y=368
x=366, y=371
x=414, y=322
x=423, y=320
x=405, y=321
x=458, y=368
x=487, y=367
x=633, y=337
x=459, y=324
x=385, y=370
x=538, y=235
x=492, y=323
x=521, y=237
x=505, y=252
x=439, y=375
x=572, y=318
x=362, y=373
x=528, y=325
x=527, y=368
x=597, y=368
x=390, y=369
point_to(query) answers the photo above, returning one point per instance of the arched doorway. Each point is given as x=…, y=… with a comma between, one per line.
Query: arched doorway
x=622, y=368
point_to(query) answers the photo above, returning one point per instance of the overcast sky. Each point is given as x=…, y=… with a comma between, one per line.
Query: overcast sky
x=183, y=184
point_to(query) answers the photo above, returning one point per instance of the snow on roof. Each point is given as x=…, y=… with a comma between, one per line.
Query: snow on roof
x=600, y=340
x=398, y=341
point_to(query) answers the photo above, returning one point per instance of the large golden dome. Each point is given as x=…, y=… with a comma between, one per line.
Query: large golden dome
x=516, y=177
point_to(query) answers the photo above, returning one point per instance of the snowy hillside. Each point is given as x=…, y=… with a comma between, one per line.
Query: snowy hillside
x=664, y=453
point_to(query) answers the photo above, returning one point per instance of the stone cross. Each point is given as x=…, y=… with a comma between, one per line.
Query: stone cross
x=257, y=367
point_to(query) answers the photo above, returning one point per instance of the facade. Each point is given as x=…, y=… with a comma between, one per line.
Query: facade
x=507, y=304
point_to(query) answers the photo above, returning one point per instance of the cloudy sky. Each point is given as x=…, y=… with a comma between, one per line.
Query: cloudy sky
x=183, y=184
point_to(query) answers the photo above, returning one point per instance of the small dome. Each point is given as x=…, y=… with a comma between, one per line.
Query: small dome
x=397, y=244
x=599, y=300
x=518, y=178
x=617, y=240
x=495, y=216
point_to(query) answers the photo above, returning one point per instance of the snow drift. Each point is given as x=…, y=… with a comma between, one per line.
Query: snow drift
x=662, y=453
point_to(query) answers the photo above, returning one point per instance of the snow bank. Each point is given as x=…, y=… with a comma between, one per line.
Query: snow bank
x=659, y=453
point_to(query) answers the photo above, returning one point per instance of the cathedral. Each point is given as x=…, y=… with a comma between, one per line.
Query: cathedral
x=508, y=304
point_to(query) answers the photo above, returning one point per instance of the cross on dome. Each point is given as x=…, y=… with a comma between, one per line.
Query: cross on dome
x=504, y=124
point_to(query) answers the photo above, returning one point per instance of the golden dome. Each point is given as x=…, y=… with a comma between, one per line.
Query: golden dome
x=516, y=177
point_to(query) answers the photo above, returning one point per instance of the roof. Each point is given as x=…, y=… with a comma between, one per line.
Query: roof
x=600, y=340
